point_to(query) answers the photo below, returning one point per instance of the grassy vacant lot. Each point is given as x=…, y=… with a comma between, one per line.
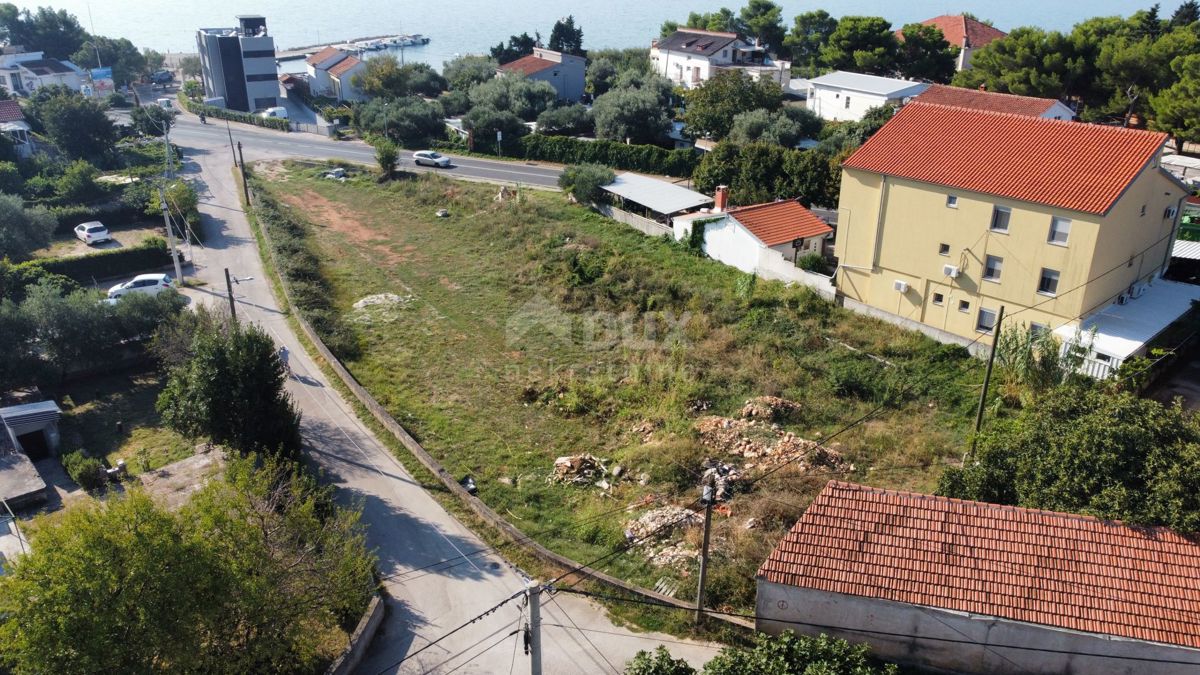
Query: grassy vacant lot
x=128, y=235
x=520, y=332
x=96, y=404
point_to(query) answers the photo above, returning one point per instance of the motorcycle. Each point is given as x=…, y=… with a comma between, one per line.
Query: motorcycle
x=203, y=119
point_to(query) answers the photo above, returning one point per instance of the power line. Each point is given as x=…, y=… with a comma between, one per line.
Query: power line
x=473, y=646
x=616, y=671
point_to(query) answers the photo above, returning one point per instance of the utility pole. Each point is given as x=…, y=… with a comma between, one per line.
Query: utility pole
x=162, y=196
x=708, y=495
x=229, y=290
x=230, y=132
x=245, y=185
x=987, y=380
x=533, y=592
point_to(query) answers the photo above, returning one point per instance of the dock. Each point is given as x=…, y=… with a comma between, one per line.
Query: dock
x=355, y=46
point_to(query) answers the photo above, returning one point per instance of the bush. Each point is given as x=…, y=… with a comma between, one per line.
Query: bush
x=87, y=471
x=645, y=158
x=584, y=181
x=813, y=262
x=151, y=254
x=570, y=120
x=117, y=100
x=67, y=217
x=232, y=115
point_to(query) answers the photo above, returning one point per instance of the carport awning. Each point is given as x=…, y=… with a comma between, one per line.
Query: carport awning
x=1121, y=330
x=1188, y=250
x=27, y=414
x=656, y=195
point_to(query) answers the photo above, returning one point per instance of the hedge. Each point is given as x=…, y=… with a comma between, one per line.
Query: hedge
x=151, y=254
x=68, y=217
x=233, y=115
x=645, y=158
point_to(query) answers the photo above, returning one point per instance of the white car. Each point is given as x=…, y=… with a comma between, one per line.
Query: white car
x=166, y=104
x=431, y=158
x=150, y=284
x=92, y=232
x=278, y=112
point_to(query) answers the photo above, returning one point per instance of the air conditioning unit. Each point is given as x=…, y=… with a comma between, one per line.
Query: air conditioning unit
x=1122, y=298
x=901, y=286
x=1137, y=290
x=1170, y=212
x=950, y=271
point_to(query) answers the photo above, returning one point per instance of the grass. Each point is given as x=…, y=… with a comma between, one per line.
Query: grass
x=497, y=396
x=127, y=235
x=93, y=407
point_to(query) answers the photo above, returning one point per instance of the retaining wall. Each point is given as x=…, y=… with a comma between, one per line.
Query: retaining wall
x=360, y=639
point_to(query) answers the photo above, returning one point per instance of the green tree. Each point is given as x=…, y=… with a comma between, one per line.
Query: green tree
x=190, y=66
x=382, y=77
x=668, y=28
x=454, y=102
x=712, y=106
x=1029, y=62
x=77, y=125
x=1133, y=69
x=410, y=121
x=120, y=54
x=483, y=121
x=465, y=72
x=22, y=230
x=1187, y=14
x=78, y=183
x=423, y=80
x=658, y=662
x=517, y=94
x=386, y=155
x=630, y=114
x=155, y=60
x=601, y=73
x=810, y=31
x=11, y=181
x=722, y=20
x=1089, y=450
x=762, y=20
x=1177, y=108
x=518, y=46
x=72, y=330
x=790, y=654
x=583, y=181
x=151, y=120
x=55, y=32
x=231, y=391
x=864, y=44
x=924, y=54
x=1147, y=22
x=570, y=120
x=786, y=127
x=566, y=37
x=647, y=80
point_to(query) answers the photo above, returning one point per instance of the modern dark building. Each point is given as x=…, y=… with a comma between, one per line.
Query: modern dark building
x=238, y=65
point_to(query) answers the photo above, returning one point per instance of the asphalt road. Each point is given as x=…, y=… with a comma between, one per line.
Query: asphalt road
x=407, y=528
x=258, y=142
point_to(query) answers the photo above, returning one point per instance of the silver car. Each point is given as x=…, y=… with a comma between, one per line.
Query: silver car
x=149, y=284
x=431, y=158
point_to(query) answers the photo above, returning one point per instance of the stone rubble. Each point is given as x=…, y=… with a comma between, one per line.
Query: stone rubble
x=769, y=408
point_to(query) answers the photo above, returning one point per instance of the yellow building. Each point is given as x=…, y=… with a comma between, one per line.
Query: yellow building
x=947, y=214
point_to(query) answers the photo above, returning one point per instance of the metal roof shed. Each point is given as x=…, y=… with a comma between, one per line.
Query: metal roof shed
x=656, y=195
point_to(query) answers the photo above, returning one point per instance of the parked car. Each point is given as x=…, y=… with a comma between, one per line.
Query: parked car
x=166, y=104
x=431, y=158
x=278, y=112
x=150, y=284
x=92, y=232
x=162, y=77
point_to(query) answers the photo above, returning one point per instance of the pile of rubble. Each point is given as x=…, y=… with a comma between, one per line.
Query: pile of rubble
x=578, y=470
x=756, y=438
x=656, y=533
x=770, y=408
x=723, y=477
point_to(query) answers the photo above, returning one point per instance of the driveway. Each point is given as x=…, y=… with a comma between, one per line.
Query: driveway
x=409, y=530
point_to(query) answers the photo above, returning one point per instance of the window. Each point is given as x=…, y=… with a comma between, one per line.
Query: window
x=847, y=102
x=259, y=54
x=939, y=299
x=952, y=201
x=992, y=268
x=1037, y=329
x=264, y=77
x=1000, y=216
x=1048, y=284
x=1060, y=229
x=964, y=306
x=1103, y=357
x=943, y=249
x=987, y=320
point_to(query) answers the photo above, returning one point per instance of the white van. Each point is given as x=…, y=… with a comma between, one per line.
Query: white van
x=166, y=104
x=278, y=112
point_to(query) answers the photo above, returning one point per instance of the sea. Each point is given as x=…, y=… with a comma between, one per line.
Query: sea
x=457, y=27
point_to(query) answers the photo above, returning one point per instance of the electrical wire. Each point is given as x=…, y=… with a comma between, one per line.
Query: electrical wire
x=554, y=599
x=473, y=646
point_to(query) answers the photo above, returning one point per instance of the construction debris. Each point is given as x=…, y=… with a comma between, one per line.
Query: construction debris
x=578, y=470
x=674, y=555
x=765, y=444
x=661, y=523
x=723, y=477
x=770, y=408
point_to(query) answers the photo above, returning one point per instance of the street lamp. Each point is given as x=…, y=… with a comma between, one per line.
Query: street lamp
x=230, y=280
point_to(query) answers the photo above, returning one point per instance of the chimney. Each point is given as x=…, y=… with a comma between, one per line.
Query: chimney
x=720, y=199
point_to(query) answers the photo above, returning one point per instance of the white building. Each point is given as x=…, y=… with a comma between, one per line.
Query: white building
x=238, y=65
x=958, y=586
x=22, y=72
x=690, y=56
x=565, y=72
x=331, y=71
x=341, y=79
x=845, y=97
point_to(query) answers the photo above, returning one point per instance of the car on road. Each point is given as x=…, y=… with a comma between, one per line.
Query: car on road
x=278, y=112
x=92, y=232
x=162, y=77
x=166, y=104
x=431, y=158
x=149, y=284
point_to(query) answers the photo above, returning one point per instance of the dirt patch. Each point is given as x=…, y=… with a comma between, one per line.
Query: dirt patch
x=343, y=219
x=272, y=171
x=173, y=484
x=448, y=284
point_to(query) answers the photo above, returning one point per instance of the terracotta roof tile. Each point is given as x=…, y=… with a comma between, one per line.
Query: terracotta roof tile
x=777, y=223
x=10, y=111
x=344, y=66
x=962, y=31
x=1081, y=167
x=528, y=65
x=1054, y=569
x=323, y=56
x=1030, y=106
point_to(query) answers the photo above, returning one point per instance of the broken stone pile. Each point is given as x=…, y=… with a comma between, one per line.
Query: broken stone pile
x=770, y=408
x=578, y=470
x=756, y=438
x=657, y=533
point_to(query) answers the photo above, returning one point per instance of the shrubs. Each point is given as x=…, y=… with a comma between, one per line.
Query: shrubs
x=813, y=262
x=149, y=255
x=646, y=158
x=583, y=181
x=87, y=471
x=67, y=217
x=233, y=115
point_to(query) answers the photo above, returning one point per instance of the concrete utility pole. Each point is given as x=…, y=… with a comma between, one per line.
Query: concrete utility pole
x=162, y=196
x=708, y=496
x=229, y=290
x=231, y=151
x=987, y=380
x=533, y=592
x=245, y=185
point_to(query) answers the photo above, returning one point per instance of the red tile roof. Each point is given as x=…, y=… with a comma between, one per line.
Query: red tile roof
x=1030, y=106
x=780, y=222
x=1081, y=167
x=10, y=111
x=961, y=31
x=528, y=65
x=1040, y=567
x=343, y=66
x=323, y=56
